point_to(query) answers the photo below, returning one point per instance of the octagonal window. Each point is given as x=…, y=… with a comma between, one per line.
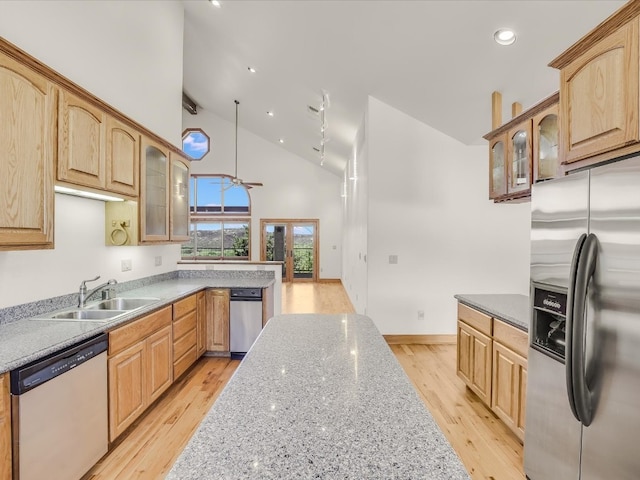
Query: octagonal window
x=195, y=143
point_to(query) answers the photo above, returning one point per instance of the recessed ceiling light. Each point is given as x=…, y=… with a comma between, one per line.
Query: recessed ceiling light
x=251, y=69
x=281, y=140
x=215, y=3
x=270, y=113
x=505, y=36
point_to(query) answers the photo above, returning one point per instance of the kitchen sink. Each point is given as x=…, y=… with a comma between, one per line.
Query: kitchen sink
x=103, y=315
x=120, y=303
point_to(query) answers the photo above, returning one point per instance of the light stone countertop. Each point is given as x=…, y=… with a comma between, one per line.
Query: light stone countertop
x=319, y=396
x=26, y=340
x=511, y=308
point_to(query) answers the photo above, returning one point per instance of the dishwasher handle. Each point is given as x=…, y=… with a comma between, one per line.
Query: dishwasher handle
x=38, y=372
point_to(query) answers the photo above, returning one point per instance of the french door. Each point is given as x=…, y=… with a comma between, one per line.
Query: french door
x=293, y=242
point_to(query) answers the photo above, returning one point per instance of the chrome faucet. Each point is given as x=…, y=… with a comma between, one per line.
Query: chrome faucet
x=83, y=295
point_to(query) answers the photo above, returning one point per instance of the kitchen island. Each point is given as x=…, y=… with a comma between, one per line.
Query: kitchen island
x=319, y=396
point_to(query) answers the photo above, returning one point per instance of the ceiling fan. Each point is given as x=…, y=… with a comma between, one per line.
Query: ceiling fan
x=235, y=181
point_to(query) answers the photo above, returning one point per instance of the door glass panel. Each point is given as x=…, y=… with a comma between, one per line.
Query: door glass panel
x=156, y=199
x=303, y=248
x=497, y=169
x=276, y=245
x=179, y=198
x=520, y=161
x=548, y=147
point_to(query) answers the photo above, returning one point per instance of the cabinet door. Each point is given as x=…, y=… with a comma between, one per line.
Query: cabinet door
x=27, y=157
x=545, y=145
x=599, y=96
x=154, y=192
x=465, y=343
x=127, y=388
x=159, y=363
x=81, y=142
x=179, y=199
x=123, y=158
x=5, y=428
x=217, y=302
x=509, y=383
x=481, y=354
x=497, y=167
x=519, y=158
x=201, y=327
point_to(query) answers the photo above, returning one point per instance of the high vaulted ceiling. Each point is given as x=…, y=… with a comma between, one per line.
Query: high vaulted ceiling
x=433, y=60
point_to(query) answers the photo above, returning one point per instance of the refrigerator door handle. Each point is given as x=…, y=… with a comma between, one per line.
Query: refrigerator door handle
x=570, y=344
x=584, y=398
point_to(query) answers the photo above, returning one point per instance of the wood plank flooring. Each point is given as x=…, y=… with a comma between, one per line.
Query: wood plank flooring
x=486, y=447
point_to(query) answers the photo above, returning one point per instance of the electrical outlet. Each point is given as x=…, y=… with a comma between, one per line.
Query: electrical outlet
x=126, y=265
x=393, y=259
x=420, y=314
x=158, y=260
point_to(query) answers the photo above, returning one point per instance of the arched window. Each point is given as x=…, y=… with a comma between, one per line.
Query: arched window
x=220, y=219
x=195, y=143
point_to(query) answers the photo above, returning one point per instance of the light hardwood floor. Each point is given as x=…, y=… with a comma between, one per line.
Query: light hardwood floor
x=487, y=449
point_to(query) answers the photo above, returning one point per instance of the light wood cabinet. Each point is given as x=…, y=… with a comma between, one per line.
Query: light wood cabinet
x=599, y=96
x=201, y=324
x=524, y=150
x=27, y=157
x=474, y=360
x=123, y=158
x=492, y=361
x=217, y=308
x=5, y=428
x=185, y=338
x=509, y=387
x=546, y=163
x=154, y=192
x=81, y=142
x=179, y=211
x=140, y=367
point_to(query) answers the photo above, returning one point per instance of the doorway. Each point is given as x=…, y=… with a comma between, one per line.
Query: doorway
x=294, y=242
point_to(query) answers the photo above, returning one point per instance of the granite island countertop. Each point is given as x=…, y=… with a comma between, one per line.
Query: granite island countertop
x=29, y=339
x=319, y=396
x=510, y=308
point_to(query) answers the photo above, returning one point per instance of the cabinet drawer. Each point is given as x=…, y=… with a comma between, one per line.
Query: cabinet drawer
x=184, y=306
x=183, y=363
x=184, y=325
x=140, y=329
x=183, y=344
x=512, y=337
x=476, y=319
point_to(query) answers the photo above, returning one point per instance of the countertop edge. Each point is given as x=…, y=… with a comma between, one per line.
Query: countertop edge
x=496, y=312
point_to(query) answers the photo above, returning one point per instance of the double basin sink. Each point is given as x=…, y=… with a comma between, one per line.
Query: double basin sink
x=102, y=311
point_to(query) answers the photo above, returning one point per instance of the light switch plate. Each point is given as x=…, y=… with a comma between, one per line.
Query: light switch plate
x=126, y=265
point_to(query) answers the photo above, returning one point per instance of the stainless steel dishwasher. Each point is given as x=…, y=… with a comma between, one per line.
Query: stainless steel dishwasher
x=60, y=420
x=245, y=319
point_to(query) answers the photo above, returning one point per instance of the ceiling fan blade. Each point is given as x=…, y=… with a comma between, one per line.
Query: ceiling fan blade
x=253, y=184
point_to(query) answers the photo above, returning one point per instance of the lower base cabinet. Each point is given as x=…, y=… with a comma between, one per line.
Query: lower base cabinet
x=185, y=336
x=5, y=428
x=492, y=361
x=217, y=312
x=140, y=367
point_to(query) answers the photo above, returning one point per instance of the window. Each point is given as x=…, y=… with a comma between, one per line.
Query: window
x=220, y=219
x=195, y=143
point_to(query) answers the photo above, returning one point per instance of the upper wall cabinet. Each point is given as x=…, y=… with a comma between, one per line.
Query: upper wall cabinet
x=27, y=157
x=524, y=150
x=154, y=192
x=123, y=158
x=81, y=142
x=179, y=212
x=599, y=90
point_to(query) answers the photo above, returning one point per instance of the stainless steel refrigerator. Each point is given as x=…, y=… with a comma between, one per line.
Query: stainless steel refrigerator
x=583, y=390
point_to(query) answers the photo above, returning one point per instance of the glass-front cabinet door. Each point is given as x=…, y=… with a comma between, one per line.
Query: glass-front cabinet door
x=154, y=192
x=545, y=145
x=179, y=220
x=497, y=167
x=519, y=158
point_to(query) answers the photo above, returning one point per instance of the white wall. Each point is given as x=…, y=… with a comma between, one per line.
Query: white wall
x=293, y=187
x=427, y=204
x=129, y=54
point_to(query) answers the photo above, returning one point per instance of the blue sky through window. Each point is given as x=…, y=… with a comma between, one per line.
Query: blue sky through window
x=195, y=144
